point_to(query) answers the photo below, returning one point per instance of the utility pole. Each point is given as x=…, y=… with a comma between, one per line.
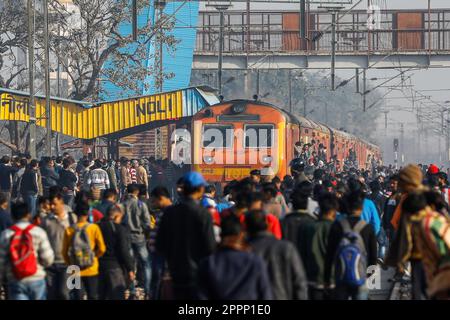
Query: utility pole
x=32, y=107
x=357, y=80
x=402, y=142
x=257, y=82
x=290, y=89
x=333, y=51
x=303, y=20
x=305, y=100
x=58, y=93
x=364, y=90
x=447, y=141
x=385, y=122
x=440, y=136
x=159, y=6
x=247, y=42
x=48, y=140
x=134, y=19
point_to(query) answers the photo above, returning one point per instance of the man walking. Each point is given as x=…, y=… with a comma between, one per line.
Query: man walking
x=285, y=268
x=55, y=224
x=25, y=273
x=137, y=218
x=185, y=236
x=7, y=172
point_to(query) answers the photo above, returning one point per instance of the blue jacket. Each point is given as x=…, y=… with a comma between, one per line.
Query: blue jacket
x=370, y=215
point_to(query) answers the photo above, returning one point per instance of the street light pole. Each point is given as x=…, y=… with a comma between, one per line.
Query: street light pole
x=221, y=6
x=333, y=51
x=32, y=107
x=48, y=140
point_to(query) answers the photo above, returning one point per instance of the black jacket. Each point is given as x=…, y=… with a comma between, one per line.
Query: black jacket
x=230, y=274
x=336, y=233
x=379, y=200
x=185, y=236
x=284, y=265
x=295, y=228
x=49, y=177
x=29, y=182
x=67, y=179
x=5, y=220
x=6, y=175
x=118, y=247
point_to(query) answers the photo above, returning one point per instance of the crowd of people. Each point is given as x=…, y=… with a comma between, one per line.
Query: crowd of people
x=100, y=229
x=314, y=155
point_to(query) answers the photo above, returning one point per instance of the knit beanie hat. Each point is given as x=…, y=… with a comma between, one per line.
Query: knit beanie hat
x=411, y=175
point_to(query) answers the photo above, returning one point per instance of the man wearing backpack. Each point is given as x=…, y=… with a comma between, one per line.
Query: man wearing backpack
x=83, y=245
x=55, y=224
x=352, y=247
x=24, y=253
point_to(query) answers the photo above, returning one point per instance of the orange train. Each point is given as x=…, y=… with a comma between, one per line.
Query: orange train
x=232, y=138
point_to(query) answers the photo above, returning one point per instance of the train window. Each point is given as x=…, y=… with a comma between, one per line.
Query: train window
x=217, y=136
x=258, y=135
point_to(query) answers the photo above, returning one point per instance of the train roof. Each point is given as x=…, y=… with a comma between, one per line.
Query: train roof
x=300, y=120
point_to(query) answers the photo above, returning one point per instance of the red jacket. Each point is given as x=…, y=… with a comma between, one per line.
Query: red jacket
x=273, y=224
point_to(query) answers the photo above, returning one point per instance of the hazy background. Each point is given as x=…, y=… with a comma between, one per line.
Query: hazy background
x=416, y=149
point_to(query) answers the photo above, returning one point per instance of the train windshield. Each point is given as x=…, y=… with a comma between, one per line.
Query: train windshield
x=259, y=135
x=217, y=136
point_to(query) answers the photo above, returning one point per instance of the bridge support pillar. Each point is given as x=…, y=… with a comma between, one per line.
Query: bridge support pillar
x=113, y=148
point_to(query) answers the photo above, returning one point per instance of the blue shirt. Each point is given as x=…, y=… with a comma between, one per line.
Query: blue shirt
x=370, y=215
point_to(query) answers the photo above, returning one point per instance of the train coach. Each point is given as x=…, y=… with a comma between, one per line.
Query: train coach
x=234, y=137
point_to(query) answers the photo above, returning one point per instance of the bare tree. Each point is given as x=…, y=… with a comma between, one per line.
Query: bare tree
x=92, y=45
x=13, y=40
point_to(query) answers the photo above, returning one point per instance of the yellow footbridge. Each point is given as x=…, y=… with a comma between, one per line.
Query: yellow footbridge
x=85, y=120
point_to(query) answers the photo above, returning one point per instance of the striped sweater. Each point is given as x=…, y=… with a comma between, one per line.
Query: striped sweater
x=42, y=250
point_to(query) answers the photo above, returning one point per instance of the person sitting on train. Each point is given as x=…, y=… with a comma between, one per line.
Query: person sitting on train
x=298, y=147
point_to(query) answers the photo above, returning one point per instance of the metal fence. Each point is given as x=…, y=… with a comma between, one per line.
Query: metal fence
x=279, y=32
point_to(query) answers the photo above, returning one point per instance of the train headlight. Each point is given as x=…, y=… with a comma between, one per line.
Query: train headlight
x=267, y=159
x=208, y=159
x=208, y=113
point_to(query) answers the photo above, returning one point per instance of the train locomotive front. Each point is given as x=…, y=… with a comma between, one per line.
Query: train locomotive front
x=232, y=138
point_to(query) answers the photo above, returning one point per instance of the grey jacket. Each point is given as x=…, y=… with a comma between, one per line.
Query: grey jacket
x=137, y=218
x=56, y=229
x=286, y=272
